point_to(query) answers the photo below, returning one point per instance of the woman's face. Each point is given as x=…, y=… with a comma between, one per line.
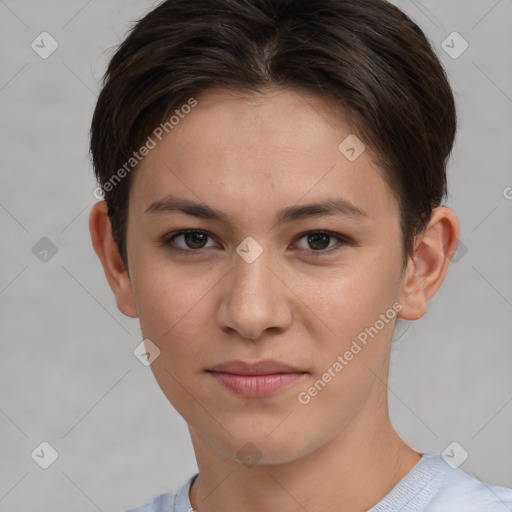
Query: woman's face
x=258, y=281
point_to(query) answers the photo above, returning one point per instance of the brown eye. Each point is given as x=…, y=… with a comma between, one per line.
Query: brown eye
x=195, y=240
x=319, y=242
x=192, y=240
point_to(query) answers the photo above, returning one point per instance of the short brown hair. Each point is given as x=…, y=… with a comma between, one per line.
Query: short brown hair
x=365, y=55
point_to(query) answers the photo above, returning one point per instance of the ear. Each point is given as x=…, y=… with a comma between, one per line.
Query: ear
x=429, y=263
x=106, y=248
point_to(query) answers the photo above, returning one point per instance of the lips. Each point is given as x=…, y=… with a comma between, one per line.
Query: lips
x=258, y=379
x=265, y=367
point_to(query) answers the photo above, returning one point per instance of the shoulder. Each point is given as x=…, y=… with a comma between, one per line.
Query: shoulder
x=461, y=491
x=457, y=490
x=162, y=503
x=435, y=486
x=172, y=502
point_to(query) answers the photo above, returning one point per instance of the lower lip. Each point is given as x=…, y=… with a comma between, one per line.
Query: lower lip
x=255, y=386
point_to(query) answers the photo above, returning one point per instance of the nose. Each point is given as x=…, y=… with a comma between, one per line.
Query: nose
x=255, y=298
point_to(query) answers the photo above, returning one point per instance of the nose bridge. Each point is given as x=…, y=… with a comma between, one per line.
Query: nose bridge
x=251, y=273
x=252, y=296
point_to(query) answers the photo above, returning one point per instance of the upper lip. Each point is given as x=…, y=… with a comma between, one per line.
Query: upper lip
x=265, y=367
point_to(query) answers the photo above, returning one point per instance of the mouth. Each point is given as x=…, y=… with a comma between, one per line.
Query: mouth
x=258, y=379
x=264, y=367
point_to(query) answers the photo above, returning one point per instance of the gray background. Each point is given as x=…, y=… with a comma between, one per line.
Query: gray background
x=67, y=372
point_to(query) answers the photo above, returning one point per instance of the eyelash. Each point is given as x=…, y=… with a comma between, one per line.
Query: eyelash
x=167, y=239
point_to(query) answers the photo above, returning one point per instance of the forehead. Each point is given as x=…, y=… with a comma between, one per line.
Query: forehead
x=282, y=119
x=241, y=150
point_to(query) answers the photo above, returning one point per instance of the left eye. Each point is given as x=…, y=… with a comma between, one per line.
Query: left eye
x=193, y=239
x=318, y=241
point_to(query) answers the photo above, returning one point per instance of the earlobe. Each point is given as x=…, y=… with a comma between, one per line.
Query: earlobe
x=427, y=267
x=107, y=251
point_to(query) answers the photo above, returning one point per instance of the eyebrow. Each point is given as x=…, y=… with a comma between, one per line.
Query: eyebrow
x=328, y=207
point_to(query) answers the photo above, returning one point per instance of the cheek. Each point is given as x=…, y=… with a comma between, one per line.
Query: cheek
x=351, y=297
x=350, y=303
x=165, y=294
x=175, y=313
x=172, y=315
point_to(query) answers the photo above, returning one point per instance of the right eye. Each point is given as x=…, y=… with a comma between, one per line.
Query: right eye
x=192, y=240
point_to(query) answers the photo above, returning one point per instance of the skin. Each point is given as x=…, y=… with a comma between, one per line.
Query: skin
x=249, y=156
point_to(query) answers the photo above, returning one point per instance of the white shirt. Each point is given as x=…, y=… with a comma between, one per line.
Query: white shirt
x=431, y=486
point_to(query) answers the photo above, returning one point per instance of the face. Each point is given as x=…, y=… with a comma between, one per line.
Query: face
x=263, y=277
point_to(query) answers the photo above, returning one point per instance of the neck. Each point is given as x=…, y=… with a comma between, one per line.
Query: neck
x=349, y=473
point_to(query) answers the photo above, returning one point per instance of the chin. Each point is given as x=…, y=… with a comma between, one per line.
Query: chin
x=262, y=449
